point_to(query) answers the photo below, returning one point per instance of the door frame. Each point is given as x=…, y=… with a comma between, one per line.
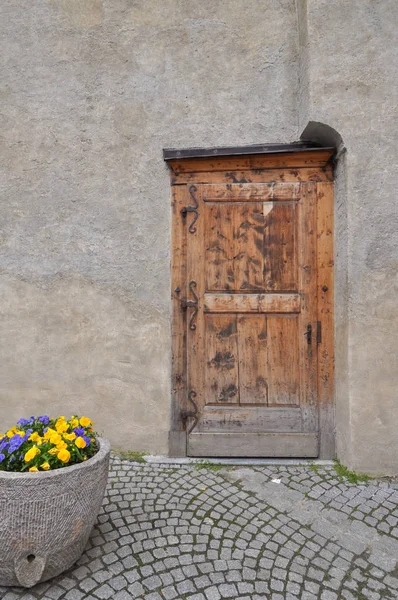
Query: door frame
x=265, y=164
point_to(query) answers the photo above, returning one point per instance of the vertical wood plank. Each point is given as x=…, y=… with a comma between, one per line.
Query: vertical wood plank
x=249, y=246
x=196, y=337
x=252, y=349
x=283, y=367
x=219, y=234
x=221, y=359
x=307, y=263
x=280, y=267
x=325, y=211
x=177, y=438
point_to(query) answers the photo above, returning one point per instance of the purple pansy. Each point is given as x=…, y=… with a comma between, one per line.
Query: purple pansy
x=23, y=422
x=79, y=431
x=27, y=434
x=44, y=419
x=87, y=440
x=2, y=457
x=15, y=443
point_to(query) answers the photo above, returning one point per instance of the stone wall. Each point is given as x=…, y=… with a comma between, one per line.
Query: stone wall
x=349, y=60
x=92, y=90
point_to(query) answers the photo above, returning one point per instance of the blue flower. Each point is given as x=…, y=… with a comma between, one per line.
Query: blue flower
x=27, y=434
x=44, y=419
x=87, y=440
x=2, y=457
x=15, y=443
x=79, y=431
x=23, y=422
x=4, y=444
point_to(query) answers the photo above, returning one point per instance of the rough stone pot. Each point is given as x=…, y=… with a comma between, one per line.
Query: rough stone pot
x=46, y=518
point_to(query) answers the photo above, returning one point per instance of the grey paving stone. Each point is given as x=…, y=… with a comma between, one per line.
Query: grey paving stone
x=160, y=536
x=104, y=592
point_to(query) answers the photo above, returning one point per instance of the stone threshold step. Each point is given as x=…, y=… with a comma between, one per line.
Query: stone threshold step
x=256, y=462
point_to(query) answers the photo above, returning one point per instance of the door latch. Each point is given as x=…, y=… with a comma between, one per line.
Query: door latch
x=308, y=333
x=185, y=304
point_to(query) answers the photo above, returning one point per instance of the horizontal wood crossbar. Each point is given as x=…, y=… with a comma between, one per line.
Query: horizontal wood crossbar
x=256, y=418
x=251, y=192
x=277, y=445
x=252, y=303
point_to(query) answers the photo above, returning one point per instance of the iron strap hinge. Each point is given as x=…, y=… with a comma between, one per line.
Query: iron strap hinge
x=185, y=303
x=190, y=414
x=191, y=209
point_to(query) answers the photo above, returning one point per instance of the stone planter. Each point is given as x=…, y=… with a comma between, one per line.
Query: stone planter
x=46, y=518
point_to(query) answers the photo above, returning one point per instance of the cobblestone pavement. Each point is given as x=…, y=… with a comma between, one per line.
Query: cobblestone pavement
x=255, y=533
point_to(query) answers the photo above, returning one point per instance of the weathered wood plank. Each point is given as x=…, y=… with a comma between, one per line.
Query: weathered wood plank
x=283, y=367
x=307, y=222
x=221, y=360
x=196, y=329
x=249, y=247
x=260, y=176
x=253, y=419
x=219, y=247
x=251, y=192
x=252, y=303
x=325, y=317
x=252, y=350
x=177, y=439
x=280, y=246
x=281, y=445
x=252, y=162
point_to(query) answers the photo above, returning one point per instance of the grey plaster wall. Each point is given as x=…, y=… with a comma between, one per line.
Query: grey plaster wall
x=349, y=64
x=91, y=91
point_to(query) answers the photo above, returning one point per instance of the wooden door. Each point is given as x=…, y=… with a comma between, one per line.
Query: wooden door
x=249, y=315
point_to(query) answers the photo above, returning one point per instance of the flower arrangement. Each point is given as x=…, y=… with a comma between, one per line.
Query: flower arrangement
x=43, y=443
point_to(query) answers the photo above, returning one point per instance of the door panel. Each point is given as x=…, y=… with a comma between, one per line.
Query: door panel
x=234, y=246
x=252, y=264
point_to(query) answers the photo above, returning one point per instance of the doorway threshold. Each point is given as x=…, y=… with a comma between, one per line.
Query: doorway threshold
x=255, y=462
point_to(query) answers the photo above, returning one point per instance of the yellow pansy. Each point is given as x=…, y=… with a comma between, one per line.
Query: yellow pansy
x=70, y=436
x=62, y=445
x=21, y=433
x=11, y=432
x=53, y=451
x=64, y=455
x=55, y=438
x=33, y=469
x=49, y=433
x=45, y=466
x=80, y=442
x=85, y=422
x=61, y=426
x=31, y=454
x=74, y=423
x=34, y=436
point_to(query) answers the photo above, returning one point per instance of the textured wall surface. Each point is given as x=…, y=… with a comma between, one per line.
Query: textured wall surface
x=91, y=91
x=349, y=58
